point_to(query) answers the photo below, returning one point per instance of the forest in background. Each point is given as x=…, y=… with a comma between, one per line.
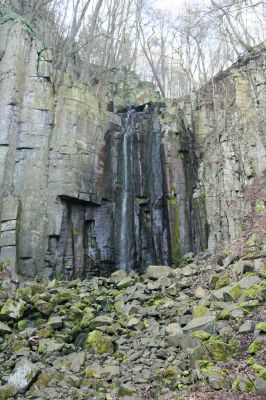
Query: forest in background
x=178, y=50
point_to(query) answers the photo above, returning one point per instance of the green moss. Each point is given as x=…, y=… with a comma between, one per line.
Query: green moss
x=255, y=346
x=260, y=371
x=261, y=326
x=200, y=311
x=44, y=307
x=87, y=317
x=92, y=373
x=202, y=335
x=29, y=291
x=61, y=298
x=172, y=372
x=45, y=378
x=244, y=385
x=100, y=342
x=223, y=281
x=259, y=207
x=236, y=292
x=221, y=351
x=22, y=325
x=257, y=291
x=8, y=392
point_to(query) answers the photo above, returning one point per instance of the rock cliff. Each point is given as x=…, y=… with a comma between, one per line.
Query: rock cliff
x=85, y=191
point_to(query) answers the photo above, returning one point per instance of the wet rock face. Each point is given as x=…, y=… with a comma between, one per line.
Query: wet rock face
x=143, y=231
x=83, y=190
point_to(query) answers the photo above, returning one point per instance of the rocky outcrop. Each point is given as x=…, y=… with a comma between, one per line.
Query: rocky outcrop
x=228, y=118
x=52, y=161
x=85, y=191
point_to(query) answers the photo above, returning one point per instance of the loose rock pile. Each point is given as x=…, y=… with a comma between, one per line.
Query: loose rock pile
x=140, y=337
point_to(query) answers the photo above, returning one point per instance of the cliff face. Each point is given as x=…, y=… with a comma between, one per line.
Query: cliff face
x=229, y=121
x=52, y=160
x=84, y=190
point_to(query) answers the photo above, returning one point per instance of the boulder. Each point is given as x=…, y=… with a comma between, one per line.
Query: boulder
x=99, y=342
x=157, y=271
x=4, y=329
x=24, y=374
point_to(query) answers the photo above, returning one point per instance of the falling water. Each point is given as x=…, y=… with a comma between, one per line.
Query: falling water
x=127, y=227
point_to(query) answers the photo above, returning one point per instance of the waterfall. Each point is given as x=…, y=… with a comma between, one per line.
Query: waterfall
x=141, y=217
x=126, y=258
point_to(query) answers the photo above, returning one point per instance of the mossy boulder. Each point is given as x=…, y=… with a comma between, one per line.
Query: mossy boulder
x=200, y=311
x=100, y=321
x=28, y=292
x=49, y=346
x=261, y=326
x=45, y=378
x=8, y=392
x=44, y=307
x=260, y=371
x=100, y=342
x=244, y=385
x=218, y=378
x=221, y=351
x=88, y=315
x=14, y=309
x=255, y=346
x=225, y=280
x=62, y=298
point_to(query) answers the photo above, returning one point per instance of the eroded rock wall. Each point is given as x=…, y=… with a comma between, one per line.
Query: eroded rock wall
x=52, y=161
x=228, y=119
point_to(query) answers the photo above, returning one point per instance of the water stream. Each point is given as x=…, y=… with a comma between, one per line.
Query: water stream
x=127, y=224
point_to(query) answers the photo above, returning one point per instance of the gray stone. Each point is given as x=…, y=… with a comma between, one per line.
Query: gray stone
x=117, y=276
x=248, y=281
x=49, y=346
x=126, y=282
x=4, y=329
x=55, y=321
x=101, y=320
x=24, y=374
x=201, y=293
x=158, y=271
x=72, y=362
x=206, y=323
x=246, y=327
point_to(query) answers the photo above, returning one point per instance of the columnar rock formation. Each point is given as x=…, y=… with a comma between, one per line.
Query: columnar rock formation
x=84, y=190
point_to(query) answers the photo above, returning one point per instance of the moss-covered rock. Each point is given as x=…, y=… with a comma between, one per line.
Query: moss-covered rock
x=88, y=315
x=225, y=280
x=261, y=326
x=244, y=385
x=202, y=335
x=200, y=311
x=44, y=307
x=221, y=351
x=14, y=309
x=100, y=342
x=260, y=371
x=8, y=392
x=255, y=346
